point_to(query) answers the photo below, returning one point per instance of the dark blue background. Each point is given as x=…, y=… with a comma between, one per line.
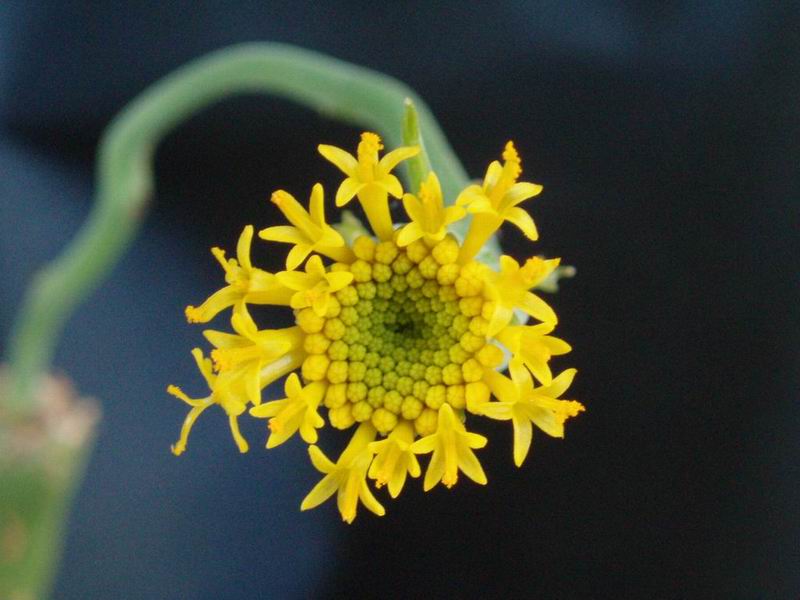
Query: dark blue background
x=666, y=137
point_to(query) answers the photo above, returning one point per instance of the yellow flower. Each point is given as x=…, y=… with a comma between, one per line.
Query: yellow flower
x=347, y=478
x=298, y=411
x=226, y=390
x=534, y=348
x=496, y=201
x=524, y=404
x=452, y=450
x=429, y=217
x=309, y=232
x=394, y=459
x=314, y=287
x=509, y=290
x=259, y=356
x=245, y=284
x=402, y=336
x=370, y=179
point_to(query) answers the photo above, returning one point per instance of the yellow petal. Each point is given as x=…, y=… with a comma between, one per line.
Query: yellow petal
x=294, y=280
x=413, y=208
x=321, y=462
x=282, y=233
x=241, y=443
x=268, y=409
x=523, y=221
x=369, y=500
x=559, y=385
x=347, y=190
x=538, y=308
x=316, y=205
x=395, y=157
x=470, y=465
x=408, y=234
x=392, y=185
x=435, y=470
x=180, y=446
x=216, y=303
x=326, y=488
x=297, y=255
x=425, y=445
x=220, y=339
x=243, y=247
x=523, y=432
x=521, y=191
x=338, y=280
x=345, y=161
x=500, y=411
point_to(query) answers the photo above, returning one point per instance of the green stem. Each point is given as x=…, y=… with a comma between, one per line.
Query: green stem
x=124, y=180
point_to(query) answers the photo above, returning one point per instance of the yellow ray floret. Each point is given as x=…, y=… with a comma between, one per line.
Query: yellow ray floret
x=429, y=217
x=533, y=347
x=226, y=390
x=298, y=411
x=246, y=283
x=394, y=459
x=253, y=354
x=524, y=404
x=314, y=287
x=452, y=450
x=370, y=179
x=347, y=478
x=509, y=290
x=495, y=201
x=308, y=231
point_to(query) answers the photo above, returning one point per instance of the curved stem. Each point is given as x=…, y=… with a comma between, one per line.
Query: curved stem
x=124, y=180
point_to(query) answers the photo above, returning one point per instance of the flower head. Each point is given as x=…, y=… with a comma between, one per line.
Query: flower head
x=400, y=334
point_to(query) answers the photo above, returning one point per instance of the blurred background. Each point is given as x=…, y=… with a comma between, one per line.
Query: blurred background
x=666, y=138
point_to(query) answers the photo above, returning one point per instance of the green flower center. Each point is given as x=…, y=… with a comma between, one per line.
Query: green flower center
x=399, y=341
